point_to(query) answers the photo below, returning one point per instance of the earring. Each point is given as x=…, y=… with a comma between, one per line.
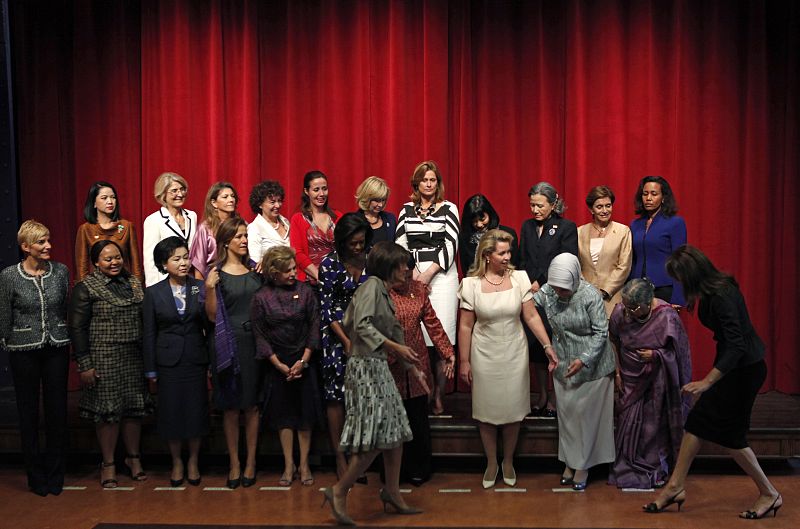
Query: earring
x=226, y=246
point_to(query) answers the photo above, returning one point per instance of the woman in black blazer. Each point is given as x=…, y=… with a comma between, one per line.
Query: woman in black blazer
x=541, y=238
x=724, y=397
x=175, y=355
x=371, y=196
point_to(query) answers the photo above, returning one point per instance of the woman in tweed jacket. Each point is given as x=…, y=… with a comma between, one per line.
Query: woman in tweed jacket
x=33, y=329
x=105, y=323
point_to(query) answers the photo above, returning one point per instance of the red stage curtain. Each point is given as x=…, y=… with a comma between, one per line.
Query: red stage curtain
x=502, y=94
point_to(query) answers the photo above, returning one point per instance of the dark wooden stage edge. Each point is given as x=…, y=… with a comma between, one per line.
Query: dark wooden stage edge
x=774, y=432
x=328, y=526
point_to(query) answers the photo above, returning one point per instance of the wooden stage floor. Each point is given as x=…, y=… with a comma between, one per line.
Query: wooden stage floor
x=453, y=499
x=717, y=490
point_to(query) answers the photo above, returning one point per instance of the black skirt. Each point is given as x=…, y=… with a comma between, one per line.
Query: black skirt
x=722, y=414
x=296, y=405
x=182, y=411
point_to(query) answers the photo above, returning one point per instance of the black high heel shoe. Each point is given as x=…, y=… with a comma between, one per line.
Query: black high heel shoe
x=753, y=515
x=386, y=498
x=248, y=482
x=653, y=507
x=233, y=483
x=139, y=476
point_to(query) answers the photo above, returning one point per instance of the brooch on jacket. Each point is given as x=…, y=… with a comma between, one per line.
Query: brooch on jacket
x=195, y=290
x=120, y=228
x=552, y=231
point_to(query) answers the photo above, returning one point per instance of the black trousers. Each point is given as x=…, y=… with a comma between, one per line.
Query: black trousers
x=42, y=370
x=417, y=452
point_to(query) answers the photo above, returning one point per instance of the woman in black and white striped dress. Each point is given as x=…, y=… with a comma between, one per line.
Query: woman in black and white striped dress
x=428, y=227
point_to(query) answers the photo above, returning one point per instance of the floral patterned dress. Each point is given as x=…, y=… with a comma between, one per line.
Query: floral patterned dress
x=336, y=287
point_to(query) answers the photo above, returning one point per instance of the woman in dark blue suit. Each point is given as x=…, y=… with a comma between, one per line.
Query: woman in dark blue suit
x=371, y=196
x=175, y=355
x=541, y=238
x=656, y=234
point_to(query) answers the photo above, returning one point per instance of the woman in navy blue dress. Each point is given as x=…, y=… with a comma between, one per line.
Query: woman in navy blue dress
x=340, y=273
x=176, y=357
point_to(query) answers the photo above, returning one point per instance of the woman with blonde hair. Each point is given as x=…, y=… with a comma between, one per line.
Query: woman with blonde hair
x=285, y=317
x=371, y=197
x=493, y=350
x=220, y=204
x=428, y=227
x=171, y=219
x=33, y=329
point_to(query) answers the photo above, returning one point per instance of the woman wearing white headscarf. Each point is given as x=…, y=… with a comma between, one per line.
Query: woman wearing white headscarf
x=583, y=380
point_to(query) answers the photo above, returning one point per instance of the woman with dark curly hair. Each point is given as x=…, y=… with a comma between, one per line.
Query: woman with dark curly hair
x=656, y=234
x=269, y=228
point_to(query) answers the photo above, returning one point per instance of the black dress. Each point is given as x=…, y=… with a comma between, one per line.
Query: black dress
x=722, y=414
x=237, y=293
x=286, y=322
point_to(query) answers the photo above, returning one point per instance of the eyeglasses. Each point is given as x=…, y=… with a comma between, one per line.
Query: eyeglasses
x=630, y=311
x=173, y=192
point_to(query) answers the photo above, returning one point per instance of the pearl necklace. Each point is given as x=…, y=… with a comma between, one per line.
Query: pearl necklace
x=495, y=285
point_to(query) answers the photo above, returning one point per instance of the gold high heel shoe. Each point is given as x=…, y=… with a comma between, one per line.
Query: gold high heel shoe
x=653, y=507
x=341, y=517
x=399, y=509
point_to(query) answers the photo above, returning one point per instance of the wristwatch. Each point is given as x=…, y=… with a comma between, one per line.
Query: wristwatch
x=304, y=364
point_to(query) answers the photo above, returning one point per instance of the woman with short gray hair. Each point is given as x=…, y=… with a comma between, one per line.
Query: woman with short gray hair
x=653, y=363
x=541, y=238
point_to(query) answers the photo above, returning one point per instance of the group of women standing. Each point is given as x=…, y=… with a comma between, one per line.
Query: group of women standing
x=254, y=302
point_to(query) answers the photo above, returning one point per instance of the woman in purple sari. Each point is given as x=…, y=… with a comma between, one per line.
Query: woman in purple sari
x=653, y=364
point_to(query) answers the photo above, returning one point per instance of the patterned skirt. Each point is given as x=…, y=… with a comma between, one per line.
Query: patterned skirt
x=375, y=416
x=120, y=392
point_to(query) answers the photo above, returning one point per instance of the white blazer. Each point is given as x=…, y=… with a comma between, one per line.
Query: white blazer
x=157, y=227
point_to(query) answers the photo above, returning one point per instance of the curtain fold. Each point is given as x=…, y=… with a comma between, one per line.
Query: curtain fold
x=501, y=93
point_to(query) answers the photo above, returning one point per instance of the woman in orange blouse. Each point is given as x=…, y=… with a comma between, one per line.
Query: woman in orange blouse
x=412, y=307
x=103, y=222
